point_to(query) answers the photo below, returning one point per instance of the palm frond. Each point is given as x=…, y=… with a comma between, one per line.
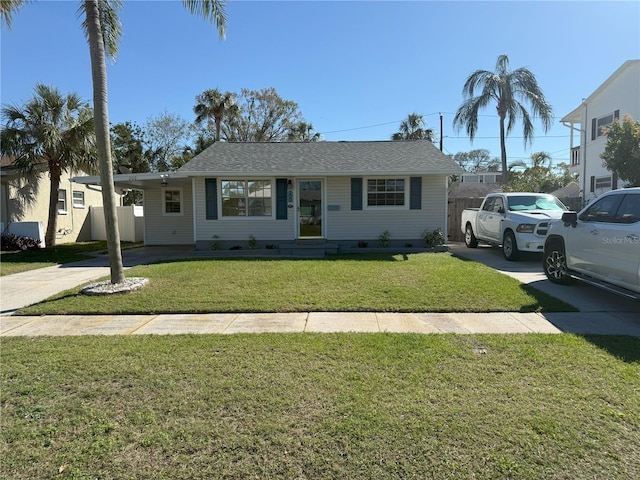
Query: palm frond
x=110, y=24
x=7, y=9
x=211, y=10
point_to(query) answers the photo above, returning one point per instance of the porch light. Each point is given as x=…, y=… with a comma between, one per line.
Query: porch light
x=163, y=183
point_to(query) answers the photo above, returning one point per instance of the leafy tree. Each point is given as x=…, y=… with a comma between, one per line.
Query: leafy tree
x=303, y=132
x=213, y=105
x=103, y=28
x=622, y=151
x=477, y=160
x=127, y=148
x=166, y=137
x=538, y=177
x=53, y=130
x=412, y=128
x=508, y=89
x=261, y=116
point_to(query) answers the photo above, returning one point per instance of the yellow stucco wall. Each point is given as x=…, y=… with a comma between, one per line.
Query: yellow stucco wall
x=26, y=202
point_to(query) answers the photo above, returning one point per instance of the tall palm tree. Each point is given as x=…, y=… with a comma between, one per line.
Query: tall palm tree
x=51, y=130
x=412, y=128
x=213, y=104
x=103, y=28
x=508, y=89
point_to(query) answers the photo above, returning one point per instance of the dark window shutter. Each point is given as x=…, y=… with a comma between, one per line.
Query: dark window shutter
x=356, y=194
x=594, y=134
x=281, y=198
x=614, y=181
x=616, y=115
x=593, y=184
x=211, y=198
x=415, y=193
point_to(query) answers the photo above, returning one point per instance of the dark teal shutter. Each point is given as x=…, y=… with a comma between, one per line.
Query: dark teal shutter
x=281, y=198
x=211, y=198
x=356, y=194
x=415, y=193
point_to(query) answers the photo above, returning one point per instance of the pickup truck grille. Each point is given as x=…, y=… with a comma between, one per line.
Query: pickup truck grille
x=542, y=228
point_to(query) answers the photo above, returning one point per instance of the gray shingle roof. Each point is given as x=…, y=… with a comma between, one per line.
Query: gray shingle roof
x=322, y=158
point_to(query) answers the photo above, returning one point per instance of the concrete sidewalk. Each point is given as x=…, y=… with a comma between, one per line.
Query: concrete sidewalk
x=26, y=288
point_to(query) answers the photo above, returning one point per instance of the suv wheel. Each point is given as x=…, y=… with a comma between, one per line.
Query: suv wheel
x=554, y=263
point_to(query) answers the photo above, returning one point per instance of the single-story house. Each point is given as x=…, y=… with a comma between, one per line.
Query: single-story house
x=266, y=195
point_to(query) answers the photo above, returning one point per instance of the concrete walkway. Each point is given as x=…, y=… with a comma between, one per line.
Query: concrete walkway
x=26, y=288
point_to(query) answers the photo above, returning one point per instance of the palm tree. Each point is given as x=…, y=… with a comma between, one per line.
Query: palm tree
x=102, y=27
x=303, y=132
x=508, y=89
x=54, y=130
x=212, y=104
x=413, y=129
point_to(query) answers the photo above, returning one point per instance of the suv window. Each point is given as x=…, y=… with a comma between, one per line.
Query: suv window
x=602, y=210
x=629, y=210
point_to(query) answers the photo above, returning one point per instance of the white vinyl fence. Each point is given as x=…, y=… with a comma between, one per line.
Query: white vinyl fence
x=130, y=223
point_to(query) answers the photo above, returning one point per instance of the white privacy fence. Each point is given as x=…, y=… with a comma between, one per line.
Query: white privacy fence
x=130, y=223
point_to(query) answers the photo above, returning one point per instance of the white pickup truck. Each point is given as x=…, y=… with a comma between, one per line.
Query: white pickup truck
x=517, y=221
x=599, y=245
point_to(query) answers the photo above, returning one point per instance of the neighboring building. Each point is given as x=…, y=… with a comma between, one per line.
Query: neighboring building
x=338, y=192
x=618, y=95
x=22, y=202
x=481, y=177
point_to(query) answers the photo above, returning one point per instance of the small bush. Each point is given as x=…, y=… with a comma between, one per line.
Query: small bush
x=384, y=238
x=363, y=244
x=12, y=242
x=433, y=238
x=215, y=244
x=253, y=242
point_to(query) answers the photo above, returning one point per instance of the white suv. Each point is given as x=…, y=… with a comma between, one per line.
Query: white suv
x=599, y=245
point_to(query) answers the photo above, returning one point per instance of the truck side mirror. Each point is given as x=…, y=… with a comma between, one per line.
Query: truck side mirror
x=501, y=210
x=570, y=218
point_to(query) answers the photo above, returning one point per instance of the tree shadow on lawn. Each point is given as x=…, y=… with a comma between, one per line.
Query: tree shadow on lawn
x=624, y=347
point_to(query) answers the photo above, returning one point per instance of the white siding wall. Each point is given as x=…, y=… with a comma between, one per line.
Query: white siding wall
x=239, y=229
x=621, y=94
x=130, y=223
x=168, y=230
x=368, y=224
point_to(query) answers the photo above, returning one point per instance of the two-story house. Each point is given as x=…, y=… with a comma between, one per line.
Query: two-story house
x=617, y=96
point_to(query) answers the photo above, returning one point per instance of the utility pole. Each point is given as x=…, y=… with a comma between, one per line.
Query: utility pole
x=440, y=131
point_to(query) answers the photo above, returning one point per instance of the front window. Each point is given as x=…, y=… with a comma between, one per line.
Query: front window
x=386, y=192
x=78, y=199
x=246, y=198
x=171, y=201
x=62, y=201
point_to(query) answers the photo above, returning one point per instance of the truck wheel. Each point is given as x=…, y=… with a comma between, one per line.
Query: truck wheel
x=470, y=239
x=510, y=247
x=554, y=263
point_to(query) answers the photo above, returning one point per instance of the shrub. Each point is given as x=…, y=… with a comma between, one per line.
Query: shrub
x=253, y=242
x=12, y=242
x=433, y=238
x=363, y=244
x=384, y=238
x=215, y=244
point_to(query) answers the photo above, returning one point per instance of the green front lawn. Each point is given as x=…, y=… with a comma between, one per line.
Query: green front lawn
x=312, y=406
x=426, y=282
x=21, y=261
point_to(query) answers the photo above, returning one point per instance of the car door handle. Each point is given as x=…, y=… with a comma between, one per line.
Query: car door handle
x=633, y=238
x=595, y=232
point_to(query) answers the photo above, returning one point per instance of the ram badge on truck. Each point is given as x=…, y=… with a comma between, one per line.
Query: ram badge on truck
x=517, y=221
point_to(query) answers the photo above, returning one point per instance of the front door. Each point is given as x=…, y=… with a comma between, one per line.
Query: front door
x=310, y=208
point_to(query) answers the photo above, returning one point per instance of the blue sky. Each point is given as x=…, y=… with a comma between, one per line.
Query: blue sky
x=356, y=69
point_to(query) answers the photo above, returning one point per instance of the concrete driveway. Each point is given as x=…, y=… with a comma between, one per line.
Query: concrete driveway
x=597, y=307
